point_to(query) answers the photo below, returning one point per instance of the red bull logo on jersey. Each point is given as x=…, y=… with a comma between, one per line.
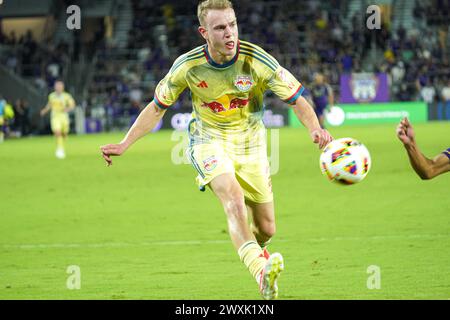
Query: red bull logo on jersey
x=243, y=83
x=217, y=107
x=214, y=106
x=238, y=103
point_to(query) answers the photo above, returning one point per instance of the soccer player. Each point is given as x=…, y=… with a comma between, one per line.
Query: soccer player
x=60, y=103
x=6, y=114
x=2, y=118
x=424, y=167
x=227, y=78
x=322, y=96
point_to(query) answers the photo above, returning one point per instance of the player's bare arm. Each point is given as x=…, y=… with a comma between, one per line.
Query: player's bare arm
x=440, y=164
x=426, y=168
x=308, y=118
x=147, y=120
x=45, y=110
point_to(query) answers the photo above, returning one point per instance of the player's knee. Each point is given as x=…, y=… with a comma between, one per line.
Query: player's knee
x=267, y=229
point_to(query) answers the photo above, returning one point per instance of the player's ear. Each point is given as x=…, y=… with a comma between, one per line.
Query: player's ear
x=203, y=32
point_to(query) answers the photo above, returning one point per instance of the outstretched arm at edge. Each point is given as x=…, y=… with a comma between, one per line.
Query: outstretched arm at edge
x=424, y=167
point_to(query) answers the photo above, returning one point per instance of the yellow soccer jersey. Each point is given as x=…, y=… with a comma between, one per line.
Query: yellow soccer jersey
x=227, y=98
x=58, y=102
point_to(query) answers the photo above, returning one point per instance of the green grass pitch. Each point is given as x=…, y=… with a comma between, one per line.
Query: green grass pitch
x=141, y=230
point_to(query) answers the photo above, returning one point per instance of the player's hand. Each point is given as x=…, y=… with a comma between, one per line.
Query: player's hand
x=321, y=136
x=405, y=132
x=112, y=150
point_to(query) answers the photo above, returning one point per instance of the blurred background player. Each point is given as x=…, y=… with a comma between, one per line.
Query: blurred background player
x=6, y=115
x=322, y=96
x=424, y=167
x=60, y=103
x=2, y=118
x=222, y=76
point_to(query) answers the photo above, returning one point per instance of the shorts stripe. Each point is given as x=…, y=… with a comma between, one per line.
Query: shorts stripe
x=195, y=164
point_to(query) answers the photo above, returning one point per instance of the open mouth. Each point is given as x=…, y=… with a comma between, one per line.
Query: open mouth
x=229, y=45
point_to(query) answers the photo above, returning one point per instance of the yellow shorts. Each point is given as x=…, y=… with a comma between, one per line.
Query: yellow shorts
x=60, y=123
x=1, y=121
x=252, y=171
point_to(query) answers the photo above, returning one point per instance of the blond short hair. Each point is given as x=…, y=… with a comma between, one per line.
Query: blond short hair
x=205, y=5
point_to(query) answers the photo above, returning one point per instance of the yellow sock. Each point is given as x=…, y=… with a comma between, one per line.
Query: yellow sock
x=253, y=258
x=60, y=142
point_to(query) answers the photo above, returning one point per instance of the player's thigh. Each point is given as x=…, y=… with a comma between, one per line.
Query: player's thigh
x=210, y=161
x=254, y=178
x=226, y=187
x=65, y=125
x=56, y=125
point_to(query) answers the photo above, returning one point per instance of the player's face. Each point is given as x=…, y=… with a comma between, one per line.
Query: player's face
x=221, y=33
x=59, y=86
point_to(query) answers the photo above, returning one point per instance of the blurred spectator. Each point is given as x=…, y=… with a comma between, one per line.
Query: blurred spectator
x=347, y=62
x=445, y=92
x=398, y=73
x=136, y=95
x=428, y=93
x=41, y=83
x=22, y=119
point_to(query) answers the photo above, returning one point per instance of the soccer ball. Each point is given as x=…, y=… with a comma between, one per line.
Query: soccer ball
x=345, y=161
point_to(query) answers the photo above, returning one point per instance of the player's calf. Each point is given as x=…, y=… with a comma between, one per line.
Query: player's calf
x=264, y=236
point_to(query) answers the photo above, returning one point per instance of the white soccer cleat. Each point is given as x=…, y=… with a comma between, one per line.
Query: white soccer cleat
x=272, y=270
x=60, y=154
